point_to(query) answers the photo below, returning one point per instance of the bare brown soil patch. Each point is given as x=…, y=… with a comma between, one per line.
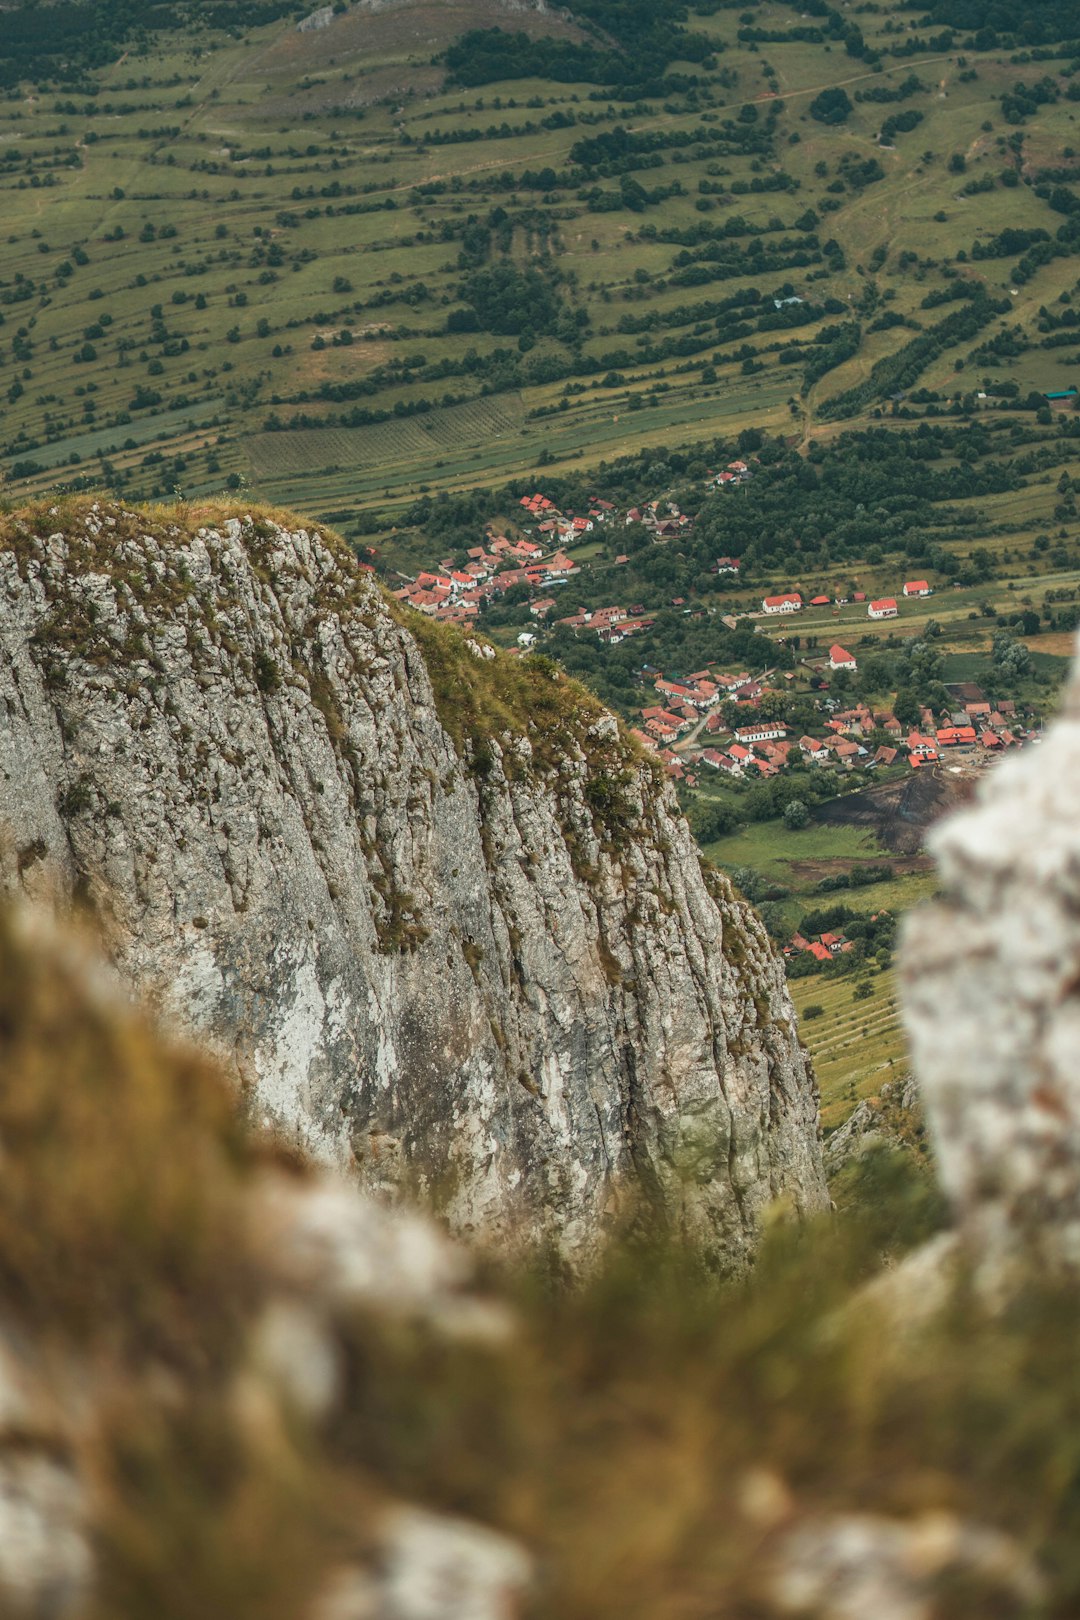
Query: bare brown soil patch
x=899, y=813
x=812, y=871
x=1062, y=643
x=335, y=365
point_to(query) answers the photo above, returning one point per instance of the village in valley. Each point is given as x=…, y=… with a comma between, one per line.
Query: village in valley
x=839, y=697
x=736, y=722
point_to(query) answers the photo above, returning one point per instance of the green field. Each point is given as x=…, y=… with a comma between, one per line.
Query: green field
x=221, y=235
x=856, y=1045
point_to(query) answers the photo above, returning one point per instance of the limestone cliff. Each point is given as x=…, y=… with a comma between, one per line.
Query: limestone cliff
x=442, y=919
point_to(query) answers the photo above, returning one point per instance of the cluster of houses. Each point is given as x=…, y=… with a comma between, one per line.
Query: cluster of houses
x=736, y=472
x=822, y=949
x=538, y=560
x=541, y=516
x=686, y=727
x=851, y=741
x=690, y=701
x=457, y=594
x=792, y=601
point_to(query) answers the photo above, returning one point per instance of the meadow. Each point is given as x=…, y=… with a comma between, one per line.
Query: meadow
x=256, y=259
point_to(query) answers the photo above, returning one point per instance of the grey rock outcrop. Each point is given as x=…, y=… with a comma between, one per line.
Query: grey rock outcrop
x=435, y=912
x=853, y=1566
x=992, y=1003
x=316, y=20
x=888, y=1120
x=276, y=1317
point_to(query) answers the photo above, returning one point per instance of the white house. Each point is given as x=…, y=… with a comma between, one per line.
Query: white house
x=790, y=603
x=840, y=658
x=885, y=609
x=761, y=731
x=917, y=587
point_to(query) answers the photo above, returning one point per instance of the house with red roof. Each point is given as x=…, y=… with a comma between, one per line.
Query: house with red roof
x=840, y=658
x=790, y=602
x=917, y=587
x=559, y=566
x=884, y=609
x=819, y=601
x=956, y=737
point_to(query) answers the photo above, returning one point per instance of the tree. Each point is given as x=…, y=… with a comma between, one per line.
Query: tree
x=833, y=106
x=906, y=707
x=1011, y=657
x=796, y=816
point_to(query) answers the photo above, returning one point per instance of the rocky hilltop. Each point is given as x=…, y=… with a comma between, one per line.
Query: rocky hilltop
x=438, y=914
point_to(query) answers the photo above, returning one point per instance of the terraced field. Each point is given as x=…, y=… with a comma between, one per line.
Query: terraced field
x=275, y=456
x=856, y=1045
x=314, y=262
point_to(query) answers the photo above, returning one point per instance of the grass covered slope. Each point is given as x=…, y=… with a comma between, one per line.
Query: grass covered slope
x=347, y=262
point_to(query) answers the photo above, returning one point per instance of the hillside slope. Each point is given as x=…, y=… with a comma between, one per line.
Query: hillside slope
x=450, y=245
x=440, y=916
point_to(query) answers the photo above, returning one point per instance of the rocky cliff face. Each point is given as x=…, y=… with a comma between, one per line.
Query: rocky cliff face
x=436, y=912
